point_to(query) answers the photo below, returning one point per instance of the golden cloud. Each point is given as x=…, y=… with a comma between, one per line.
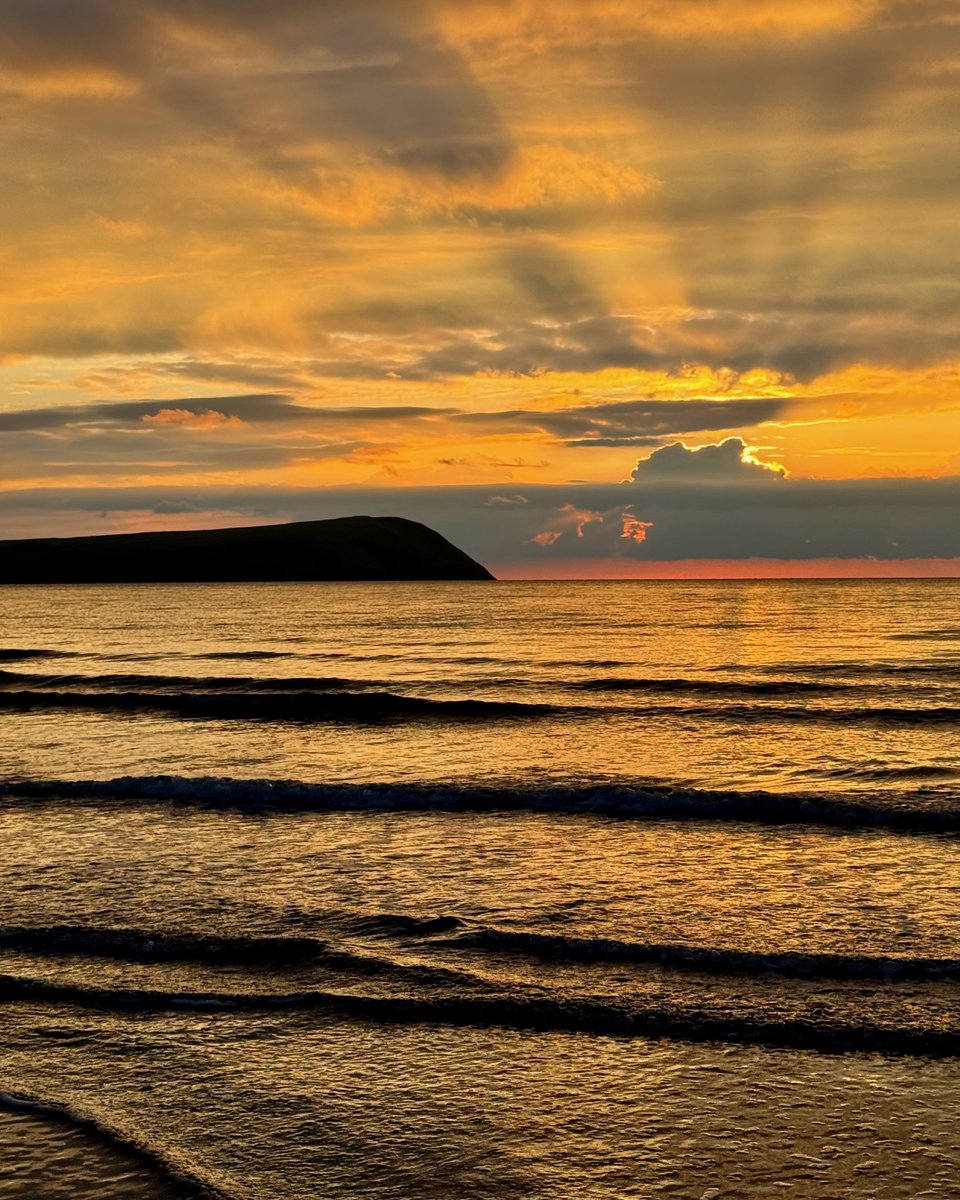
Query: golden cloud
x=540, y=176
x=184, y=419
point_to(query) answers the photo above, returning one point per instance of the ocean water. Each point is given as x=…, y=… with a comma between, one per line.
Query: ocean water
x=594, y=890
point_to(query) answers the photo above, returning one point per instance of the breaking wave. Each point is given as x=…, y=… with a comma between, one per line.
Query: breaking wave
x=707, y=959
x=531, y=1010
x=268, y=953
x=887, y=774
x=330, y=706
x=136, y=682
x=453, y=933
x=261, y=701
x=893, y=811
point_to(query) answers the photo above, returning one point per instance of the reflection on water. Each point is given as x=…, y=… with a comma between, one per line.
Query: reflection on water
x=786, y=686
x=553, y=890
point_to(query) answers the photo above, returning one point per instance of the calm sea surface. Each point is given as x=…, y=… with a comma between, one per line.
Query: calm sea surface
x=403, y=891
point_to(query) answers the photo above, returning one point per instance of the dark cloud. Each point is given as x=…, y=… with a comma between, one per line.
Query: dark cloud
x=554, y=283
x=42, y=35
x=629, y=422
x=530, y=347
x=86, y=341
x=802, y=345
x=250, y=409
x=633, y=422
x=796, y=344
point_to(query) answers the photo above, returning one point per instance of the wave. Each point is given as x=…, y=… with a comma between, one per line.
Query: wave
x=241, y=654
x=535, y=1011
x=707, y=959
x=22, y=655
x=719, y=687
x=195, y=1188
x=346, y=655
x=927, y=635
x=886, y=774
x=940, y=714
x=334, y=706
x=378, y=706
x=642, y=801
x=22, y=680
x=135, y=682
x=401, y=925
x=949, y=670
x=469, y=660
x=711, y=624
x=149, y=946
x=142, y=945
x=252, y=952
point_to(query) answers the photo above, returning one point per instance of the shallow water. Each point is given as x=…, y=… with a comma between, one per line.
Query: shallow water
x=516, y=889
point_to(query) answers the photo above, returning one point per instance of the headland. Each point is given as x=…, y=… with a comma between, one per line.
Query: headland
x=347, y=548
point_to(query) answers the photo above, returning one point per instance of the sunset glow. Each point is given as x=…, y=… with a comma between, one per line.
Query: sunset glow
x=597, y=288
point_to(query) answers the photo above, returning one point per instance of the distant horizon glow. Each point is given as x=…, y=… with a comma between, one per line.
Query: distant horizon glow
x=732, y=569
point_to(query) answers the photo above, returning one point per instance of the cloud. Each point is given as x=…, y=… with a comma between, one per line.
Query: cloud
x=640, y=422
x=634, y=529
x=602, y=533
x=171, y=508
x=261, y=408
x=271, y=431
x=729, y=461
x=401, y=222
x=187, y=419
x=625, y=423
x=391, y=87
x=505, y=501
x=540, y=185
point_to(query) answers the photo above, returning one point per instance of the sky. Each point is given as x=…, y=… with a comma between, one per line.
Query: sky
x=597, y=288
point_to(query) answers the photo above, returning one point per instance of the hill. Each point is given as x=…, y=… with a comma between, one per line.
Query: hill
x=349, y=548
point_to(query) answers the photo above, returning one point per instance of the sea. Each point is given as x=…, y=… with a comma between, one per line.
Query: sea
x=443, y=891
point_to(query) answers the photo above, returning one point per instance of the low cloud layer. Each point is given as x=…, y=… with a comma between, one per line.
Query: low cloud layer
x=885, y=519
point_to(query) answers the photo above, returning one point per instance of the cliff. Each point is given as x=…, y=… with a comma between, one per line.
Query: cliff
x=350, y=548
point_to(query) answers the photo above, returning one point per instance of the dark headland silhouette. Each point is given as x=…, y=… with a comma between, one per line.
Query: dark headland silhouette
x=349, y=548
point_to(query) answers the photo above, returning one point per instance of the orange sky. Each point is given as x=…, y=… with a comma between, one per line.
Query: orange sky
x=311, y=259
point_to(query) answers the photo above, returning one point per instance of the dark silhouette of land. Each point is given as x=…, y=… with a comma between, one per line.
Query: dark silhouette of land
x=350, y=548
